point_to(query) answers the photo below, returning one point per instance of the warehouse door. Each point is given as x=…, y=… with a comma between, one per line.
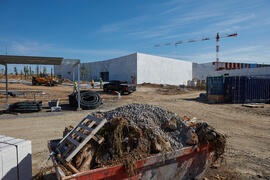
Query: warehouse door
x=104, y=76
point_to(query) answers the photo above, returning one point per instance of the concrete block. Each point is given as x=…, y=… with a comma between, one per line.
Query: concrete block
x=15, y=159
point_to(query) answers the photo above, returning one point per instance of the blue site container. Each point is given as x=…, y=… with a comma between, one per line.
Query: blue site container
x=243, y=89
x=235, y=88
x=215, y=85
x=257, y=90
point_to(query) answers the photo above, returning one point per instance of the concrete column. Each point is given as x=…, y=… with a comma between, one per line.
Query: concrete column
x=73, y=78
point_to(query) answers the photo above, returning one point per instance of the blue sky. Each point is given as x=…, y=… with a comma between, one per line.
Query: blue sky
x=98, y=30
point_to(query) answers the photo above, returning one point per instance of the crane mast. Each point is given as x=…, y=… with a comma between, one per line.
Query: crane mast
x=217, y=50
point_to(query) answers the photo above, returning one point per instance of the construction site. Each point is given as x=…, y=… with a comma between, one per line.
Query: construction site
x=139, y=114
x=154, y=120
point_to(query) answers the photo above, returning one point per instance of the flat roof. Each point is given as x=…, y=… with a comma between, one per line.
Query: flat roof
x=10, y=59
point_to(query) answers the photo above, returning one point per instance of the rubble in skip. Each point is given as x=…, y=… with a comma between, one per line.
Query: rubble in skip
x=154, y=118
x=137, y=131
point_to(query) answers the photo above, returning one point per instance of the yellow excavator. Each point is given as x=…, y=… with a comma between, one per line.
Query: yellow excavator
x=44, y=79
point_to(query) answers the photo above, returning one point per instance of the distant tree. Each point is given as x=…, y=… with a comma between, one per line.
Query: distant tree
x=21, y=74
x=25, y=70
x=51, y=72
x=44, y=70
x=15, y=71
x=90, y=71
x=2, y=70
x=83, y=72
x=37, y=70
x=30, y=70
x=86, y=73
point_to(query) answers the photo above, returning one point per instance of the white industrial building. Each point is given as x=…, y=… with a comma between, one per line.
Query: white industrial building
x=158, y=70
x=202, y=71
x=143, y=67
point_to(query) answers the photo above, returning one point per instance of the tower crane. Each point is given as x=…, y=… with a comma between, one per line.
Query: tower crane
x=203, y=39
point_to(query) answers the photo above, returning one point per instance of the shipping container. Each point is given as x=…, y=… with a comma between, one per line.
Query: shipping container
x=257, y=90
x=243, y=89
x=240, y=89
x=184, y=164
x=215, y=85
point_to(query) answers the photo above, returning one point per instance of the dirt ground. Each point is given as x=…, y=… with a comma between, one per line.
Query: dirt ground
x=248, y=129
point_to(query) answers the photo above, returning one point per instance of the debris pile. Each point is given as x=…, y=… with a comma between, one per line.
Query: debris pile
x=136, y=131
x=160, y=121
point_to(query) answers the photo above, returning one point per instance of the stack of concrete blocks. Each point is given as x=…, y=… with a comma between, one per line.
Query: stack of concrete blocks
x=15, y=159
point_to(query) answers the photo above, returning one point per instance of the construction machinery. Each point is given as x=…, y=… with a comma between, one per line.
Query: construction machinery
x=44, y=79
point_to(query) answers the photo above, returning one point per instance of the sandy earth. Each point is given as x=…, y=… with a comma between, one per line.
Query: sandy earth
x=248, y=129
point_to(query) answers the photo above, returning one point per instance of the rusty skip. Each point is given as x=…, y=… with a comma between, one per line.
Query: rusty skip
x=183, y=164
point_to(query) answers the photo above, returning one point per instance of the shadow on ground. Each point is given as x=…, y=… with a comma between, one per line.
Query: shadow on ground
x=49, y=176
x=204, y=101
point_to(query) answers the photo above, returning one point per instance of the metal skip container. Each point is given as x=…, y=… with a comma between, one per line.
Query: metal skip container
x=184, y=164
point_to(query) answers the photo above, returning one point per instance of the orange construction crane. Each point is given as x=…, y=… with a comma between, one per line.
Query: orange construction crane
x=203, y=39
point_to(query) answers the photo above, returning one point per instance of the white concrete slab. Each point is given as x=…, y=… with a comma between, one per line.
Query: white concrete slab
x=15, y=159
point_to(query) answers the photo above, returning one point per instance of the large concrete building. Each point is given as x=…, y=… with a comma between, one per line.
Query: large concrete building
x=159, y=70
x=202, y=71
x=143, y=67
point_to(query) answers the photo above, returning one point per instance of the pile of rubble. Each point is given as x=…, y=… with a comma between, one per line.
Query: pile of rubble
x=136, y=131
x=160, y=121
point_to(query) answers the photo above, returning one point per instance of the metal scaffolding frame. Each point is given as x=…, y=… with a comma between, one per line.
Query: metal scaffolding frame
x=74, y=63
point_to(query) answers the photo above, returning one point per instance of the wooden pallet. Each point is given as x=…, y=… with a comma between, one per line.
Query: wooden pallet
x=77, y=138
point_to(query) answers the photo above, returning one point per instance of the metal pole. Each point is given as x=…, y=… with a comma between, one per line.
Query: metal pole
x=6, y=83
x=79, y=93
x=73, y=78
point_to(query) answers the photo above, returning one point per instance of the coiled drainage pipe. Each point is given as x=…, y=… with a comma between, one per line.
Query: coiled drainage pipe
x=88, y=100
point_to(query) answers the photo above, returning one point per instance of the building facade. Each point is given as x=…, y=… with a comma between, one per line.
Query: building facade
x=202, y=71
x=143, y=68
